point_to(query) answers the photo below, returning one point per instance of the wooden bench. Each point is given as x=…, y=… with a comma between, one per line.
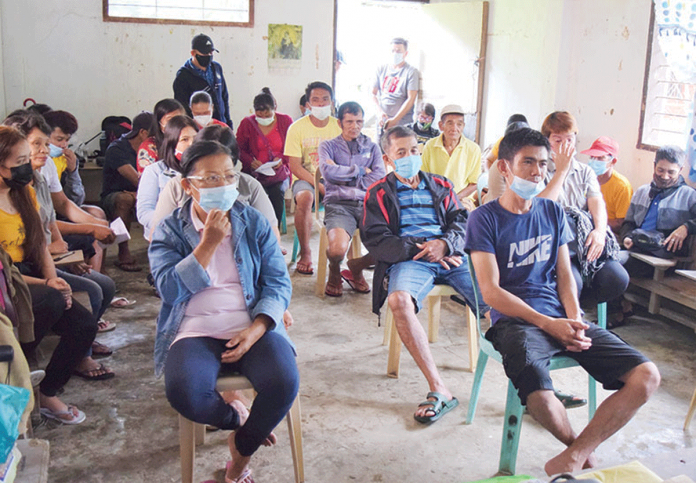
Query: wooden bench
x=679, y=287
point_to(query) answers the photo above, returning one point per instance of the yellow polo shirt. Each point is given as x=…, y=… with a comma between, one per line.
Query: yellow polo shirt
x=617, y=194
x=462, y=168
x=303, y=139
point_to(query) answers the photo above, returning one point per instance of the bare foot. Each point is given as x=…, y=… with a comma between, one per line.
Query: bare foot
x=567, y=461
x=590, y=462
x=244, y=415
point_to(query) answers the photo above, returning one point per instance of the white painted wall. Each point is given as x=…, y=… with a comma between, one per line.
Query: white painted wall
x=522, y=62
x=601, y=72
x=583, y=56
x=60, y=52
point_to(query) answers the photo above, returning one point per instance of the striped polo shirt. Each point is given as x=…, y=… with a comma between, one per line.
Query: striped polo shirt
x=418, y=216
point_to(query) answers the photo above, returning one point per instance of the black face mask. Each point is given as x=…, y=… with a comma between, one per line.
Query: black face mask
x=204, y=60
x=21, y=176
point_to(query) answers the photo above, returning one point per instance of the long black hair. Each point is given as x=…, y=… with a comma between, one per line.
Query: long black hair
x=21, y=198
x=172, y=132
x=162, y=108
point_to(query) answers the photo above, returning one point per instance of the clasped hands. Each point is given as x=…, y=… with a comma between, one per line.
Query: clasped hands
x=435, y=251
x=569, y=332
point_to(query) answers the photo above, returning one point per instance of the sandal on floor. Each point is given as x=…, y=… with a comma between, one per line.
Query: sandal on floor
x=105, y=326
x=613, y=324
x=120, y=302
x=48, y=414
x=360, y=287
x=129, y=266
x=245, y=477
x=100, y=350
x=570, y=401
x=99, y=377
x=305, y=268
x=440, y=407
x=334, y=289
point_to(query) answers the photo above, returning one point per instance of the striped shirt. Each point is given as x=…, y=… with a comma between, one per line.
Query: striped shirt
x=418, y=216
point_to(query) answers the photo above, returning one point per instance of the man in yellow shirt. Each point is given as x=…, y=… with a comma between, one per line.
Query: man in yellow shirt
x=452, y=155
x=302, y=148
x=616, y=189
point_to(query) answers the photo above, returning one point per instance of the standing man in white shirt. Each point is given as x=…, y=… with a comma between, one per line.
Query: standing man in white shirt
x=395, y=88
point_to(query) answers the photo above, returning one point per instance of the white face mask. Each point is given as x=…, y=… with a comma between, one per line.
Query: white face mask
x=265, y=121
x=398, y=58
x=203, y=121
x=321, y=113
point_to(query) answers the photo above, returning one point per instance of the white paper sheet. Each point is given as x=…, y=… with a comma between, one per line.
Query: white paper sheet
x=266, y=169
x=119, y=229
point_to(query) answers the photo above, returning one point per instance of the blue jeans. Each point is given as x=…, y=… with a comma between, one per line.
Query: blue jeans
x=417, y=278
x=191, y=372
x=99, y=287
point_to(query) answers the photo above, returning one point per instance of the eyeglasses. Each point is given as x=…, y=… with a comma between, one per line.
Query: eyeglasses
x=216, y=179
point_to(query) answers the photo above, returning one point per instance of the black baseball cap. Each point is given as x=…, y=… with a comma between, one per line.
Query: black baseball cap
x=141, y=121
x=203, y=44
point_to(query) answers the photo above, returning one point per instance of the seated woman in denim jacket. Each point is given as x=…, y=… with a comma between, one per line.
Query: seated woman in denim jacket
x=224, y=288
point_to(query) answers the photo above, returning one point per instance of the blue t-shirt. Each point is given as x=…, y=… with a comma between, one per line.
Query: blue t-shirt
x=650, y=220
x=525, y=247
x=418, y=217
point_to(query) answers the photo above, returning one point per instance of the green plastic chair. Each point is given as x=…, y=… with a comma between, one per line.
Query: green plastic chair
x=513, y=406
x=283, y=222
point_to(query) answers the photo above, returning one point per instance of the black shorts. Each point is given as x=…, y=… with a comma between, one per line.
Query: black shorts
x=527, y=351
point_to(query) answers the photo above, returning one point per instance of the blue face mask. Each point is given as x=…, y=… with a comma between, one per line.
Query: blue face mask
x=409, y=166
x=598, y=166
x=54, y=151
x=220, y=198
x=526, y=189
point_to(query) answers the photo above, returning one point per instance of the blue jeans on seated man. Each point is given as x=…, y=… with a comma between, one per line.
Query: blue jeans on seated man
x=418, y=277
x=191, y=372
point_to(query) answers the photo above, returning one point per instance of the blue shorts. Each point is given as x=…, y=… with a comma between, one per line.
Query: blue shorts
x=417, y=278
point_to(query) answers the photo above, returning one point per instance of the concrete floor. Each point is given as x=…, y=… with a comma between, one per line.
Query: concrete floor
x=357, y=424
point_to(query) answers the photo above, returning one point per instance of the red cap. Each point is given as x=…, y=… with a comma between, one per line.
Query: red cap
x=603, y=145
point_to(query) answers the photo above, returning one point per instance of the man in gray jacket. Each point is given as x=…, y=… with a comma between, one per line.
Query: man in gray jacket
x=349, y=164
x=666, y=205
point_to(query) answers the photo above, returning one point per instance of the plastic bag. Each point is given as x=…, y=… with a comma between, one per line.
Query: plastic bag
x=13, y=401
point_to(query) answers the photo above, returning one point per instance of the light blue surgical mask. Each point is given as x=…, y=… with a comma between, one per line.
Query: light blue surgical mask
x=526, y=189
x=220, y=198
x=598, y=166
x=409, y=166
x=54, y=151
x=397, y=58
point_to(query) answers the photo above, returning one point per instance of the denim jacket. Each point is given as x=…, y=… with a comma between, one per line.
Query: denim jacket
x=178, y=275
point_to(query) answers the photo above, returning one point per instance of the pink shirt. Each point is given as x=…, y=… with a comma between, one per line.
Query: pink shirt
x=218, y=311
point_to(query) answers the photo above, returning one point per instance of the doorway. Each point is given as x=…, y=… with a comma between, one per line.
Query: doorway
x=446, y=44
